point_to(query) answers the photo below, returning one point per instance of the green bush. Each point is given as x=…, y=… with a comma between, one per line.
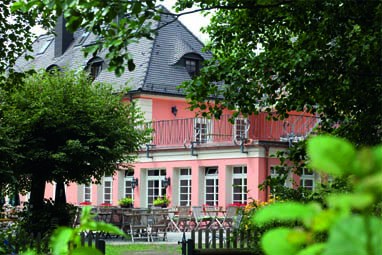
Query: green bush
x=350, y=220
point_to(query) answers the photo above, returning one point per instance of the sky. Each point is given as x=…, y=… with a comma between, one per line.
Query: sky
x=192, y=21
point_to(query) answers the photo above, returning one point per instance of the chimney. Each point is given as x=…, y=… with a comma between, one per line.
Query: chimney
x=63, y=37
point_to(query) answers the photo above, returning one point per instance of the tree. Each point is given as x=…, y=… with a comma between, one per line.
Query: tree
x=323, y=57
x=67, y=130
x=15, y=33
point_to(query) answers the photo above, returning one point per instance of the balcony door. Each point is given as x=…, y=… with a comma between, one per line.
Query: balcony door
x=202, y=130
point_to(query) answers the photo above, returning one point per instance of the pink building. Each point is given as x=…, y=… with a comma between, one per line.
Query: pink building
x=192, y=160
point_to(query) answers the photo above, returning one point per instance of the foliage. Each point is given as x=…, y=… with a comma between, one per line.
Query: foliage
x=67, y=240
x=15, y=33
x=322, y=57
x=348, y=218
x=62, y=123
x=47, y=218
x=126, y=201
x=161, y=201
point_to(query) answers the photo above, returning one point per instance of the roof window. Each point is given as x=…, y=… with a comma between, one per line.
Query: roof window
x=192, y=63
x=45, y=46
x=94, y=66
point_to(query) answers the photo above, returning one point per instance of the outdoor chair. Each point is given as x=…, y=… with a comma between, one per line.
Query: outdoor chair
x=229, y=216
x=183, y=218
x=139, y=226
x=157, y=224
x=201, y=220
x=233, y=227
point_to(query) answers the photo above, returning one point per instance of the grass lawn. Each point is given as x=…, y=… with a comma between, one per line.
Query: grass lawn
x=130, y=248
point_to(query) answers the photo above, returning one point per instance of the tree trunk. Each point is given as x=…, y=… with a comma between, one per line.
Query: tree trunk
x=60, y=196
x=37, y=192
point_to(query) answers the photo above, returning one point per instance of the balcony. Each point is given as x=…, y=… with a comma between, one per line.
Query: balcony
x=214, y=132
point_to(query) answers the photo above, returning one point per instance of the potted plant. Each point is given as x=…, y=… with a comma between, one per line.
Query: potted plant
x=161, y=201
x=126, y=202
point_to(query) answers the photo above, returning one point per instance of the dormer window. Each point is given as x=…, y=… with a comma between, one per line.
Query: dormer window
x=192, y=67
x=53, y=69
x=192, y=63
x=94, y=66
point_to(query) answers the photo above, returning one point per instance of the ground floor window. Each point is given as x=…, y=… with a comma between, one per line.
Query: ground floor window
x=128, y=188
x=185, y=186
x=154, y=185
x=239, y=185
x=108, y=190
x=212, y=186
x=87, y=192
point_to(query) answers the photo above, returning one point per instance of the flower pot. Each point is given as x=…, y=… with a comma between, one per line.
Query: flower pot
x=127, y=206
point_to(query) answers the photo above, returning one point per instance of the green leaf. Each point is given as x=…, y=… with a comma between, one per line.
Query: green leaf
x=60, y=239
x=277, y=242
x=314, y=249
x=324, y=220
x=372, y=183
x=331, y=155
x=355, y=235
x=288, y=211
x=346, y=202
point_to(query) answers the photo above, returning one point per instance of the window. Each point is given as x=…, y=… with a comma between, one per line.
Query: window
x=154, y=185
x=239, y=185
x=129, y=191
x=241, y=128
x=212, y=186
x=45, y=46
x=307, y=179
x=192, y=63
x=185, y=186
x=202, y=130
x=108, y=189
x=192, y=67
x=87, y=192
x=83, y=37
x=94, y=67
x=53, y=68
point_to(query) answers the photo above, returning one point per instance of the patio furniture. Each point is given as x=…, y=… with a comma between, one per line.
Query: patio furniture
x=201, y=220
x=182, y=218
x=231, y=212
x=139, y=224
x=157, y=224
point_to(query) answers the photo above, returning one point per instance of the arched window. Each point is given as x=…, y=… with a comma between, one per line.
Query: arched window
x=53, y=69
x=94, y=66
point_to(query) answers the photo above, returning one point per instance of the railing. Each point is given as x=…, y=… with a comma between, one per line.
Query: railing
x=221, y=241
x=206, y=131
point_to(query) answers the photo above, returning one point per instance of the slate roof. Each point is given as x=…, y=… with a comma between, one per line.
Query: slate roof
x=157, y=68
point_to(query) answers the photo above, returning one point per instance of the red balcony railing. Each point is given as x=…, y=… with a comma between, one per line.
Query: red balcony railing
x=257, y=127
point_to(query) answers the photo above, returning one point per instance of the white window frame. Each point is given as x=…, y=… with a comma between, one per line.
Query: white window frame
x=244, y=184
x=105, y=180
x=241, y=128
x=215, y=186
x=307, y=175
x=185, y=178
x=159, y=178
x=127, y=185
x=202, y=134
x=87, y=190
